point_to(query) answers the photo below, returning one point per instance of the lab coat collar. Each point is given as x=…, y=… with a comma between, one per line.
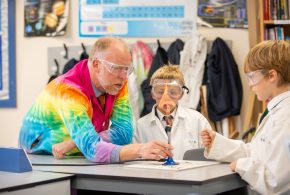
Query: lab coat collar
x=161, y=115
x=179, y=113
x=273, y=105
x=153, y=116
x=276, y=100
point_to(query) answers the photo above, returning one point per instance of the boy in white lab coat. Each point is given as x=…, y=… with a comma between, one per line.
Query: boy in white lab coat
x=167, y=89
x=263, y=162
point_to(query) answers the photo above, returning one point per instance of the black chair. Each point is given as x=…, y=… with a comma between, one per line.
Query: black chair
x=195, y=154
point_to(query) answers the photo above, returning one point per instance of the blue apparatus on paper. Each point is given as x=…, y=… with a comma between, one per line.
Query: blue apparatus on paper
x=169, y=161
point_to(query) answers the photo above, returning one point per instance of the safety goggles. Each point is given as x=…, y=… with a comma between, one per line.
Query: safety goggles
x=115, y=68
x=174, y=89
x=255, y=77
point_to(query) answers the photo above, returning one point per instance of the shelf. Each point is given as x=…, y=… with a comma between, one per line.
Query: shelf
x=277, y=22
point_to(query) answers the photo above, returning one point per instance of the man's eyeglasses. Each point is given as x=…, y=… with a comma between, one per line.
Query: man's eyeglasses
x=115, y=68
x=255, y=77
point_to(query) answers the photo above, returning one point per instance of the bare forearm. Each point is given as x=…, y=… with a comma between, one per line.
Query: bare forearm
x=130, y=152
x=59, y=150
x=152, y=150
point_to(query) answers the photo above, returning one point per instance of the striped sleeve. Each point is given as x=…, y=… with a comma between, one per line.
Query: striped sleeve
x=121, y=129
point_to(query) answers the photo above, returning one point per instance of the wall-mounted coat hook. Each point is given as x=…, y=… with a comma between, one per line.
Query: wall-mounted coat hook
x=56, y=71
x=158, y=42
x=64, y=53
x=57, y=67
x=84, y=54
x=84, y=48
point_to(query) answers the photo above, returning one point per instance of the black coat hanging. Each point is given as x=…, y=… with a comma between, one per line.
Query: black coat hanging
x=174, y=50
x=224, y=86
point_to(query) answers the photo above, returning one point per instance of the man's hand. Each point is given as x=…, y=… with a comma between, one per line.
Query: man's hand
x=154, y=150
x=207, y=137
x=59, y=150
x=233, y=165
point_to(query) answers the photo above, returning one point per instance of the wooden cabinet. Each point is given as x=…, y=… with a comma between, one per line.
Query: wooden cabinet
x=260, y=26
x=268, y=20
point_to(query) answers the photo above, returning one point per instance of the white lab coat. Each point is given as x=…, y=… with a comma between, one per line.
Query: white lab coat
x=192, y=59
x=263, y=162
x=185, y=132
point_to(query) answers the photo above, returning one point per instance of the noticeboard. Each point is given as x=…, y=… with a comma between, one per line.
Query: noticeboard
x=142, y=18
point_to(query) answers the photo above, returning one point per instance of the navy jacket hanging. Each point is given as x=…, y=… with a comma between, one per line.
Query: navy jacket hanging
x=224, y=88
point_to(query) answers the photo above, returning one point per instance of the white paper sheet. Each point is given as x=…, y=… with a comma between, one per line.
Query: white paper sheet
x=181, y=166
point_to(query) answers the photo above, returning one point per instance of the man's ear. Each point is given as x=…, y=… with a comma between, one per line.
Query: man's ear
x=96, y=65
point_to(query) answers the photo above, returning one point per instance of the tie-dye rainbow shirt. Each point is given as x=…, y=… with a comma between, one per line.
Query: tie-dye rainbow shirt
x=67, y=109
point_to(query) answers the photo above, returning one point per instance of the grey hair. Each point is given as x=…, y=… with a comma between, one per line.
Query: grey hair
x=102, y=44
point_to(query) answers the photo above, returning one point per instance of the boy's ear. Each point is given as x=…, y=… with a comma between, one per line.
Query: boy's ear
x=152, y=95
x=273, y=75
x=181, y=95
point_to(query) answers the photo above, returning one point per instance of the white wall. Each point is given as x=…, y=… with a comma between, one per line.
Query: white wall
x=32, y=73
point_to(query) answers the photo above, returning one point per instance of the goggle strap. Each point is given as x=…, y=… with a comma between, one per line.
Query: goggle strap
x=185, y=88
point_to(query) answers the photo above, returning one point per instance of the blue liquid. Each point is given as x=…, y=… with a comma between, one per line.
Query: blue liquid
x=169, y=161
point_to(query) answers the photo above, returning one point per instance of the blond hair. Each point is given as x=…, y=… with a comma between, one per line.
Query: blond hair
x=102, y=44
x=270, y=55
x=171, y=72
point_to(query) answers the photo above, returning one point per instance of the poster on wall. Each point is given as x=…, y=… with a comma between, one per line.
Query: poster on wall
x=45, y=17
x=7, y=54
x=224, y=13
x=142, y=18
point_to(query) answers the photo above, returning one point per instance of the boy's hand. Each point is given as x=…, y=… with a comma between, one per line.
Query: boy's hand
x=60, y=149
x=207, y=137
x=233, y=165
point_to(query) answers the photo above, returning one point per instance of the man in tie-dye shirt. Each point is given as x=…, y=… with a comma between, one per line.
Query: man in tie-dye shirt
x=68, y=119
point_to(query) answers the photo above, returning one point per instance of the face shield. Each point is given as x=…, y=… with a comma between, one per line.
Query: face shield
x=172, y=88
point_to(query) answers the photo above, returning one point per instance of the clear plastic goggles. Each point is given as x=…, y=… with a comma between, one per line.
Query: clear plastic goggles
x=173, y=89
x=117, y=69
x=256, y=76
